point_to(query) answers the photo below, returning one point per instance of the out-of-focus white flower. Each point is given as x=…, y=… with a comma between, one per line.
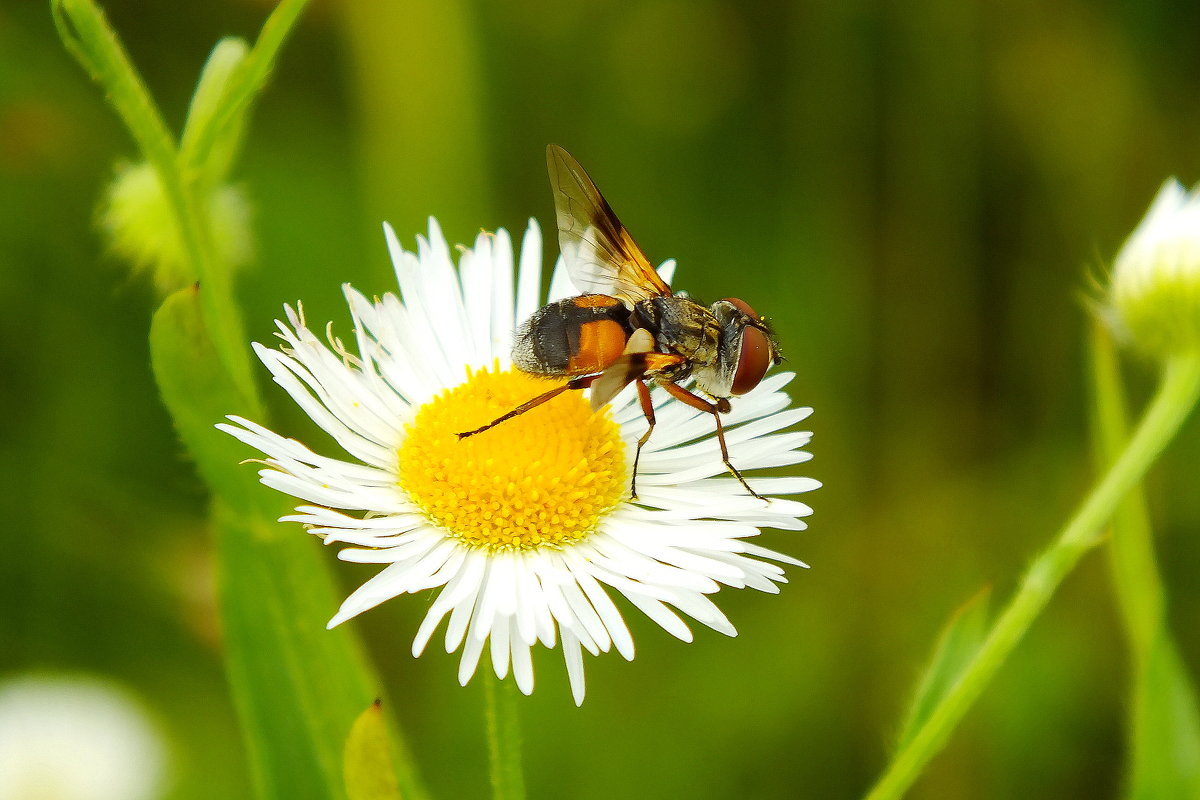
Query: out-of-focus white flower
x=1154, y=296
x=76, y=738
x=524, y=530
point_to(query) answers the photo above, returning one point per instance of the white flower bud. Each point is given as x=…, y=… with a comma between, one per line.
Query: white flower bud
x=1154, y=296
x=77, y=738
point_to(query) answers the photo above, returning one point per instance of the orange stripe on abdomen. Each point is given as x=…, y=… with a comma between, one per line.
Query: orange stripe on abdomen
x=600, y=344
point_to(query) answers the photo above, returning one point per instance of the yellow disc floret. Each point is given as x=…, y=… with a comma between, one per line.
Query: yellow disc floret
x=542, y=478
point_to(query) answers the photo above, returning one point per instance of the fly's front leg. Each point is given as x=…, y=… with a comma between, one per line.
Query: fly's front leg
x=716, y=409
x=648, y=410
x=576, y=383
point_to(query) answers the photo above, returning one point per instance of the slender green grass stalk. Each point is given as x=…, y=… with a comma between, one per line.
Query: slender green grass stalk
x=504, y=738
x=1177, y=394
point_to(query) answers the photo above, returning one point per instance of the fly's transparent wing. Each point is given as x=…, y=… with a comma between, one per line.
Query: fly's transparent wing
x=600, y=255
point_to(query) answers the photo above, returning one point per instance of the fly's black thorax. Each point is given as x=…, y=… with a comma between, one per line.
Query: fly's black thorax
x=682, y=326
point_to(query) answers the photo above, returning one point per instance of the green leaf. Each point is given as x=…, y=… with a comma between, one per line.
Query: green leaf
x=216, y=134
x=198, y=393
x=86, y=34
x=208, y=102
x=298, y=687
x=369, y=771
x=958, y=642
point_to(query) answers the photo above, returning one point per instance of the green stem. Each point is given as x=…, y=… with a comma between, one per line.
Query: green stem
x=504, y=738
x=1177, y=393
x=86, y=33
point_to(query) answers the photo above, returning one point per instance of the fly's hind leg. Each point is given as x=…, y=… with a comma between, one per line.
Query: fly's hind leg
x=716, y=409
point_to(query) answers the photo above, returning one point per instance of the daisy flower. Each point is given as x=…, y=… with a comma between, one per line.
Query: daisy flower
x=527, y=530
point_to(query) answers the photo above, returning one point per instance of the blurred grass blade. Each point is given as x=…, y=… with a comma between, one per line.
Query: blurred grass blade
x=208, y=101
x=958, y=642
x=418, y=77
x=220, y=130
x=298, y=687
x=1164, y=726
x=369, y=773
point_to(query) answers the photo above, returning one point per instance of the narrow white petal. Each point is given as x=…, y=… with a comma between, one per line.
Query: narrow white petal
x=379, y=588
x=583, y=612
x=574, y=659
x=433, y=618
x=475, y=267
x=529, y=288
x=603, y=604
x=657, y=611
x=522, y=667
x=500, y=651
x=560, y=609
x=527, y=597
x=470, y=660
x=704, y=611
x=502, y=296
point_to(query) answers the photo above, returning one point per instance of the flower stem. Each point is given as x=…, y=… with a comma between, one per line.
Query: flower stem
x=1177, y=393
x=87, y=35
x=504, y=739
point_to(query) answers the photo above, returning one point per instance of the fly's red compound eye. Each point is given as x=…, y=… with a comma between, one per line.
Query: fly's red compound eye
x=756, y=354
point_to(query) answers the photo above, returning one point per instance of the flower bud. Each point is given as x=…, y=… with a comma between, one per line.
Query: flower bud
x=141, y=228
x=1154, y=296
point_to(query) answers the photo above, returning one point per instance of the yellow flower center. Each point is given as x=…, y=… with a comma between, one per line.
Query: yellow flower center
x=542, y=478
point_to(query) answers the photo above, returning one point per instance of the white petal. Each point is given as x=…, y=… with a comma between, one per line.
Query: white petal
x=529, y=287
x=574, y=659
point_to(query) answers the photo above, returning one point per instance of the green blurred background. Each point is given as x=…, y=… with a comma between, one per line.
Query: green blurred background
x=919, y=195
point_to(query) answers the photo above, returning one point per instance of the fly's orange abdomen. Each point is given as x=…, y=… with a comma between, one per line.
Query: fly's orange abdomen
x=600, y=344
x=576, y=336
